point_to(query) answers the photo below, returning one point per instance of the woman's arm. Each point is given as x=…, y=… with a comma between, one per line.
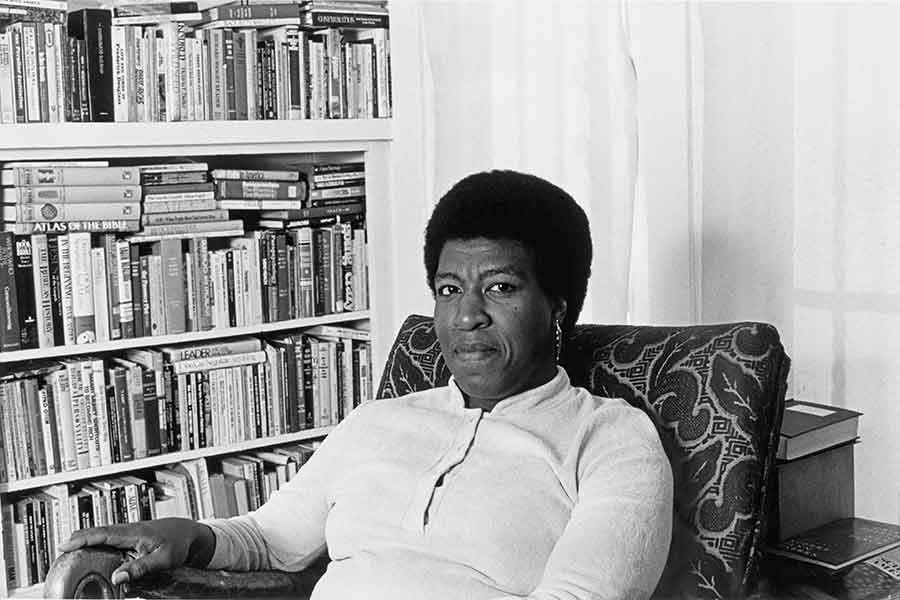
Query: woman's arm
x=617, y=540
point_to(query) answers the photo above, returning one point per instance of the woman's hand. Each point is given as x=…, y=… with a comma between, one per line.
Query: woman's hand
x=157, y=545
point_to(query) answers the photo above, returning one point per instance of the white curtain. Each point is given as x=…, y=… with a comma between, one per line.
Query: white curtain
x=738, y=161
x=545, y=87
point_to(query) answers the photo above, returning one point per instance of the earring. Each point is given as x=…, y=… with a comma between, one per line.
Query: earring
x=557, y=339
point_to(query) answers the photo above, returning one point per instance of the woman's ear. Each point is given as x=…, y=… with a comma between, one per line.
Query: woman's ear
x=559, y=310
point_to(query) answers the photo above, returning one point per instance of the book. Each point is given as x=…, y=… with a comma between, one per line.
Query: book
x=56, y=194
x=808, y=427
x=814, y=490
x=840, y=544
x=57, y=176
x=92, y=26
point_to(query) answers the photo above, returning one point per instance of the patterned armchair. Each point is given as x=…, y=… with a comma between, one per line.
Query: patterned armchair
x=716, y=394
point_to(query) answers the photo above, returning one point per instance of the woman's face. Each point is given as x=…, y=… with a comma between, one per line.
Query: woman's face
x=493, y=321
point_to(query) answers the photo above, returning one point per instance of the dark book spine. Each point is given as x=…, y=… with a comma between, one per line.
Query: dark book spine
x=263, y=249
x=206, y=403
x=294, y=72
x=188, y=392
x=308, y=397
x=281, y=263
x=173, y=439
x=137, y=301
x=348, y=19
x=73, y=86
x=151, y=412
x=261, y=105
x=84, y=92
x=10, y=336
x=25, y=293
x=93, y=25
x=272, y=288
x=357, y=378
x=112, y=411
x=126, y=442
x=229, y=282
x=111, y=255
x=255, y=401
x=31, y=540
x=55, y=290
x=271, y=78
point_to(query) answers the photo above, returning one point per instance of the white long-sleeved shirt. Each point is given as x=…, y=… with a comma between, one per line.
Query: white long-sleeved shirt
x=554, y=494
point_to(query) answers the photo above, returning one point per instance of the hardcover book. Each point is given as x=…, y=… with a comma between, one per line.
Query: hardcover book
x=841, y=543
x=808, y=427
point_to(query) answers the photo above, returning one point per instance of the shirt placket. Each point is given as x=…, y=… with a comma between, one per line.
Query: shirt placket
x=417, y=514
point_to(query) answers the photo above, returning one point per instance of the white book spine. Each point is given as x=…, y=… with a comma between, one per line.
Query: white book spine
x=7, y=86
x=101, y=301
x=138, y=417
x=100, y=412
x=51, y=52
x=120, y=74
x=82, y=287
x=239, y=298
x=89, y=411
x=157, y=304
x=65, y=423
x=42, y=296
x=123, y=280
x=32, y=91
x=79, y=416
x=47, y=432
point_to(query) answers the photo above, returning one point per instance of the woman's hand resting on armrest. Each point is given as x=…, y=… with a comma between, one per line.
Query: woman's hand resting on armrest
x=156, y=545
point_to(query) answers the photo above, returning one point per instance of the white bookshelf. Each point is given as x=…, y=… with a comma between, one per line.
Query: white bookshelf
x=311, y=140
x=179, y=338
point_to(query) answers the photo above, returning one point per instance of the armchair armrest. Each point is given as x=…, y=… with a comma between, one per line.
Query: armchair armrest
x=85, y=573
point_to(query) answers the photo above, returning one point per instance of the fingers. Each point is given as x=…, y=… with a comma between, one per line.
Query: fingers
x=97, y=536
x=137, y=568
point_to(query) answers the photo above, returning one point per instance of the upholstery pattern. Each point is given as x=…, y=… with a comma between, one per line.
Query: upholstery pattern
x=716, y=394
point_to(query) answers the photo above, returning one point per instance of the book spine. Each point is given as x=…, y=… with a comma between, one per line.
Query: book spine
x=113, y=303
x=346, y=19
x=53, y=80
x=53, y=260
x=32, y=79
x=82, y=288
x=134, y=260
x=262, y=190
x=97, y=26
x=7, y=81
x=123, y=282
x=25, y=293
x=217, y=74
x=173, y=286
x=184, y=82
x=10, y=334
x=120, y=73
x=43, y=297
x=43, y=89
x=100, y=295
x=252, y=72
x=59, y=227
x=139, y=73
x=92, y=195
x=18, y=71
x=240, y=75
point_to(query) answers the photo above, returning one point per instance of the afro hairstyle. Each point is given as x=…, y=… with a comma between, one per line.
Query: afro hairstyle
x=524, y=208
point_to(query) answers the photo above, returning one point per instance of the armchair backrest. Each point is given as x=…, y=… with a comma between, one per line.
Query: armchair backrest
x=716, y=394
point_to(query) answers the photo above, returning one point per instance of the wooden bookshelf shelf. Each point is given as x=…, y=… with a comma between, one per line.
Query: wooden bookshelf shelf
x=193, y=336
x=48, y=141
x=162, y=459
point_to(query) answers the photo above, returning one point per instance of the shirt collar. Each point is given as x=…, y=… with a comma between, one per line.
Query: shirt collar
x=542, y=397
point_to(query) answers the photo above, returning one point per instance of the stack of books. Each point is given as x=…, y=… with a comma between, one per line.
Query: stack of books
x=179, y=199
x=259, y=189
x=815, y=466
x=840, y=544
x=54, y=197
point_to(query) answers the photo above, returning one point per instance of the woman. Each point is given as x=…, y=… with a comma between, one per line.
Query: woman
x=506, y=483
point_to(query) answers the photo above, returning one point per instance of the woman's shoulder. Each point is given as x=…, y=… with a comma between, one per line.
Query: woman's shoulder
x=614, y=417
x=388, y=406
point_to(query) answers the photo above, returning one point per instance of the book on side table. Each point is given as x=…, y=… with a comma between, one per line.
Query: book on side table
x=840, y=544
x=808, y=427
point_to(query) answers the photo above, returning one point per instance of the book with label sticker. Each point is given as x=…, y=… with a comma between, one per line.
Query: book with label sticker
x=808, y=427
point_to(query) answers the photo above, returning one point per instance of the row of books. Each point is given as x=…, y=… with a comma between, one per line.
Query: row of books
x=297, y=62
x=81, y=288
x=35, y=525
x=80, y=413
x=169, y=200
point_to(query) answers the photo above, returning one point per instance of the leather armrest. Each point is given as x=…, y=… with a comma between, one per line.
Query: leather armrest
x=85, y=573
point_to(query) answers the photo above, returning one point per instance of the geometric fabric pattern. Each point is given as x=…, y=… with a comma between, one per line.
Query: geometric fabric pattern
x=716, y=395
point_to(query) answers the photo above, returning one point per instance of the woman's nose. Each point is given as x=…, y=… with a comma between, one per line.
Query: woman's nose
x=471, y=312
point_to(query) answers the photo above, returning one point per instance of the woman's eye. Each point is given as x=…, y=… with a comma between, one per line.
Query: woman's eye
x=447, y=290
x=502, y=288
